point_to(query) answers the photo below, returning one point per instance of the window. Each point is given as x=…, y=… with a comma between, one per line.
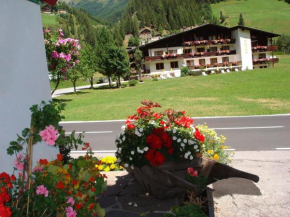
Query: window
x=262, y=55
x=213, y=49
x=226, y=59
x=226, y=48
x=187, y=51
x=201, y=62
x=159, y=66
x=172, y=51
x=190, y=62
x=213, y=60
x=158, y=53
x=174, y=65
x=201, y=49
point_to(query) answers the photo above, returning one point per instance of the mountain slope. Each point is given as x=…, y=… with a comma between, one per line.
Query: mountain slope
x=109, y=10
x=268, y=15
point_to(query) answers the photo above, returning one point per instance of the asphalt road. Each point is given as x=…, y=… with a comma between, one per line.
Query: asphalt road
x=251, y=133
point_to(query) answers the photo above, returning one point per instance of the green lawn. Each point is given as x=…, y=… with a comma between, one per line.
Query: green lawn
x=48, y=20
x=255, y=92
x=268, y=15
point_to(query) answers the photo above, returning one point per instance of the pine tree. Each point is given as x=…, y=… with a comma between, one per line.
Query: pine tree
x=241, y=20
x=222, y=17
x=135, y=26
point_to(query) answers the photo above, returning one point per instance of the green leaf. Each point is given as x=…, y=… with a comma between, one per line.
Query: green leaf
x=100, y=211
x=86, y=176
x=100, y=181
x=52, y=169
x=81, y=163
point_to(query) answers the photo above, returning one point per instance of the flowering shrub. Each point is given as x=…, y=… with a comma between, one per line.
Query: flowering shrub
x=150, y=137
x=193, y=177
x=57, y=189
x=109, y=164
x=62, y=54
x=213, y=146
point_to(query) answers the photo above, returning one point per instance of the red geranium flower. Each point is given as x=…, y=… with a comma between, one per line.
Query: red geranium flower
x=154, y=141
x=158, y=159
x=156, y=116
x=59, y=157
x=13, y=178
x=167, y=140
x=4, y=177
x=59, y=185
x=93, y=189
x=170, y=151
x=91, y=206
x=79, y=205
x=43, y=162
x=74, y=182
x=130, y=125
x=198, y=135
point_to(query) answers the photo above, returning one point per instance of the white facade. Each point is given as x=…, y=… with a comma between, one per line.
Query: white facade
x=240, y=55
x=24, y=75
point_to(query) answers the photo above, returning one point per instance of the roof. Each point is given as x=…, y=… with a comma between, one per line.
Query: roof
x=202, y=26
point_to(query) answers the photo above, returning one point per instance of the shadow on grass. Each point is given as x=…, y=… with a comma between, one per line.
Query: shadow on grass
x=61, y=100
x=106, y=87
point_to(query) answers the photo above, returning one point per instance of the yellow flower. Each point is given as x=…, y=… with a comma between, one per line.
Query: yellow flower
x=121, y=168
x=107, y=169
x=216, y=157
x=101, y=167
x=210, y=151
x=112, y=167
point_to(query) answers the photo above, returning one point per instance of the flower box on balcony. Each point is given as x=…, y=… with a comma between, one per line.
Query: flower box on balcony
x=197, y=42
x=225, y=63
x=215, y=64
x=197, y=66
x=204, y=41
x=188, y=43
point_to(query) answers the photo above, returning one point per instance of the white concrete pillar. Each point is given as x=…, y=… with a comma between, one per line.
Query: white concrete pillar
x=24, y=75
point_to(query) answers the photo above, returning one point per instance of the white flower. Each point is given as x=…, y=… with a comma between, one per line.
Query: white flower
x=174, y=138
x=179, y=140
x=185, y=156
x=185, y=140
x=193, y=128
x=146, y=149
x=147, y=194
x=126, y=165
x=182, y=145
x=181, y=149
x=132, y=152
x=191, y=158
x=124, y=137
x=132, y=167
x=130, y=158
x=191, y=142
x=197, y=150
x=195, y=147
x=123, y=128
x=152, y=122
x=130, y=203
x=141, y=130
x=174, y=130
x=135, y=205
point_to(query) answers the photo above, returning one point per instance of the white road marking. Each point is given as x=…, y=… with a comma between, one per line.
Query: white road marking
x=245, y=128
x=250, y=116
x=101, y=151
x=230, y=149
x=90, y=132
x=282, y=148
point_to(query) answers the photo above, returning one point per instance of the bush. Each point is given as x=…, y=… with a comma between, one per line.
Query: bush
x=194, y=73
x=100, y=81
x=184, y=71
x=133, y=82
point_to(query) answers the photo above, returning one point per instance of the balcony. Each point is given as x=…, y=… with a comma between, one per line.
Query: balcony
x=265, y=61
x=206, y=42
x=190, y=55
x=264, y=48
x=215, y=65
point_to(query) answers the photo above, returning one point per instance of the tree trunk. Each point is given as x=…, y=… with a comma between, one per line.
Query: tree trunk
x=74, y=84
x=92, y=82
x=57, y=83
x=119, y=82
x=110, y=82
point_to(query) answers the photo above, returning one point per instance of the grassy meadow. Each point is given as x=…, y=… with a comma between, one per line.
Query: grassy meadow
x=268, y=15
x=253, y=92
x=48, y=20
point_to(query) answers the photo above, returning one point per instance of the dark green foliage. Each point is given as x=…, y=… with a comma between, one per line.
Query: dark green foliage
x=283, y=43
x=133, y=82
x=194, y=73
x=184, y=71
x=200, y=181
x=165, y=14
x=222, y=17
x=241, y=21
x=138, y=60
x=191, y=210
x=134, y=41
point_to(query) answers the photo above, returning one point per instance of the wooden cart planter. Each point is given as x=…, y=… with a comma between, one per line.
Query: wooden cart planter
x=167, y=180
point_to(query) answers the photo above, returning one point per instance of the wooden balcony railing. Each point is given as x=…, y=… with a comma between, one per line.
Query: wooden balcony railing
x=190, y=55
x=265, y=61
x=264, y=48
x=215, y=65
x=212, y=42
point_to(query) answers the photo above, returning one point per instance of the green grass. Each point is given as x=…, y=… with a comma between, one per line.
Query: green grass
x=268, y=15
x=48, y=19
x=255, y=92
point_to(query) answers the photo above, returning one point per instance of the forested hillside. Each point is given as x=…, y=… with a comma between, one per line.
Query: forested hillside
x=166, y=14
x=110, y=10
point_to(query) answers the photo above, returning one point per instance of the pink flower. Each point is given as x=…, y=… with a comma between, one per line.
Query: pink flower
x=69, y=66
x=70, y=200
x=42, y=190
x=18, y=162
x=54, y=54
x=63, y=70
x=62, y=55
x=37, y=169
x=70, y=212
x=60, y=32
x=68, y=57
x=49, y=135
